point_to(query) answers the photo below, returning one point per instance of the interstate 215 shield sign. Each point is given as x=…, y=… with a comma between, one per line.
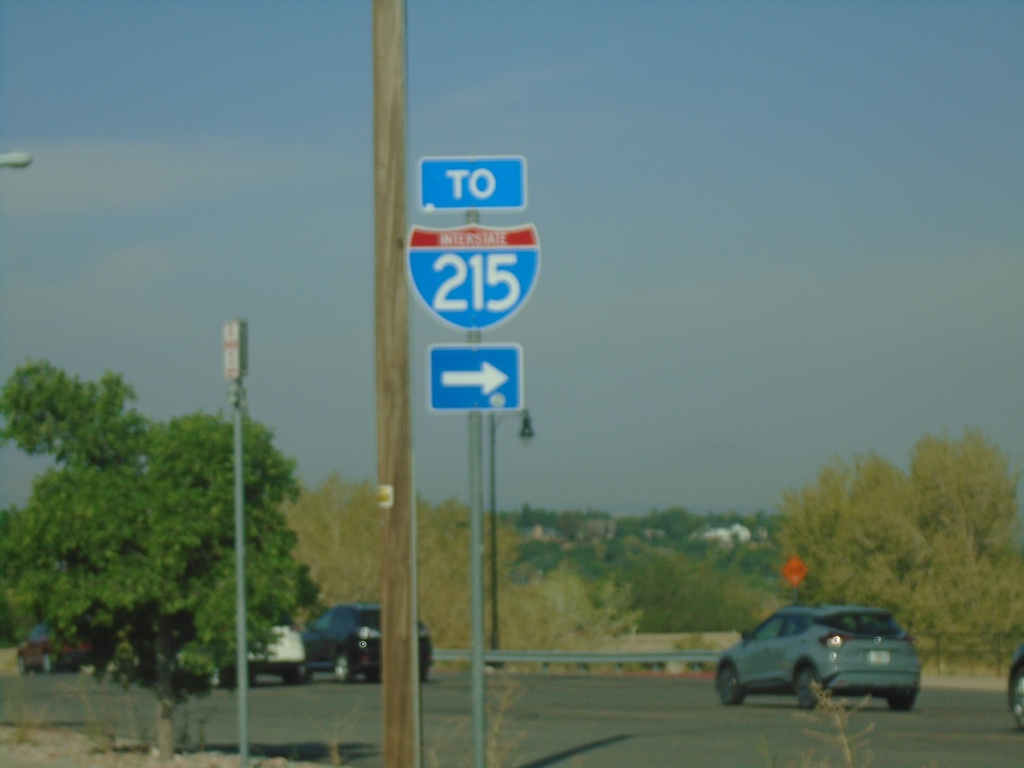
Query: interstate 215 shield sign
x=472, y=278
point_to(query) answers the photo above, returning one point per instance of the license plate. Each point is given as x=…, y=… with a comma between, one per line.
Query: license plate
x=878, y=657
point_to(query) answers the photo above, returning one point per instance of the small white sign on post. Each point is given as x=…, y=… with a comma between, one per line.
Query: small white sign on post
x=236, y=353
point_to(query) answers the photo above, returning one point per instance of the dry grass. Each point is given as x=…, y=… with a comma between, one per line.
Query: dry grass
x=843, y=749
x=502, y=740
x=26, y=716
x=835, y=716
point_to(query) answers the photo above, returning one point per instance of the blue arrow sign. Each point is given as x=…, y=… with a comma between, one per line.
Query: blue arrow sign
x=473, y=277
x=467, y=183
x=473, y=377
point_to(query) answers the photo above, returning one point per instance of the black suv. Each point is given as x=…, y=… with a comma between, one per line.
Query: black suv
x=1017, y=687
x=346, y=641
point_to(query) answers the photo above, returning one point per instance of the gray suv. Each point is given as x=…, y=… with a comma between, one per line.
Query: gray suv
x=850, y=650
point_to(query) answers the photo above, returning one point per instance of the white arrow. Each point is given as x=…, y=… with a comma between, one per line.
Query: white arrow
x=488, y=378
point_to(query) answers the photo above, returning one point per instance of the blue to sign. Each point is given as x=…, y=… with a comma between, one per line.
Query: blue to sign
x=467, y=183
x=473, y=278
x=474, y=377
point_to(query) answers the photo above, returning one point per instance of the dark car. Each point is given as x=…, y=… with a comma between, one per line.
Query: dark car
x=1017, y=686
x=41, y=652
x=851, y=650
x=346, y=641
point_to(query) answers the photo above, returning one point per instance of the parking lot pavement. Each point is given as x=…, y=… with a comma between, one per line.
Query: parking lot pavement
x=965, y=682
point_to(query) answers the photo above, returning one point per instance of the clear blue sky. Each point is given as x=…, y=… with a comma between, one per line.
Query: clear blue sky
x=771, y=232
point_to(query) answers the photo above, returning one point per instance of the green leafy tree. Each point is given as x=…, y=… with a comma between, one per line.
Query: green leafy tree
x=338, y=532
x=339, y=538
x=679, y=579
x=677, y=593
x=127, y=542
x=937, y=543
x=564, y=611
x=8, y=627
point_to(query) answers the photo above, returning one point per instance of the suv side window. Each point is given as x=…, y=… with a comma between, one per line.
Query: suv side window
x=342, y=621
x=796, y=625
x=771, y=629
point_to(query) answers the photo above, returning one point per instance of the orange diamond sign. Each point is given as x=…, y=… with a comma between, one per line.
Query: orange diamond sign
x=794, y=570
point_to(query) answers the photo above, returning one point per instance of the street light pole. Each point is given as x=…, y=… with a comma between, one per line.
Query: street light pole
x=236, y=366
x=525, y=434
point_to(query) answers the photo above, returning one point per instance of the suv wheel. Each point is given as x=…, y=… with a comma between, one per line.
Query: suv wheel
x=1017, y=696
x=295, y=675
x=727, y=681
x=224, y=678
x=804, y=685
x=342, y=670
x=902, y=702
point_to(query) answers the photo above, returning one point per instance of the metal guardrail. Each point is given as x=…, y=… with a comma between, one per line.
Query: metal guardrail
x=585, y=659
x=951, y=653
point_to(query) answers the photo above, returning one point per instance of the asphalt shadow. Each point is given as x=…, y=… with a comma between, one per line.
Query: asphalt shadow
x=309, y=751
x=558, y=757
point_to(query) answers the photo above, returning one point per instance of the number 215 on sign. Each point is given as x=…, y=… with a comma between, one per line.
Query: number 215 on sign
x=468, y=286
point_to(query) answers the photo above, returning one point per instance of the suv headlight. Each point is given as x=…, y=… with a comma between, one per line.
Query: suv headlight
x=367, y=633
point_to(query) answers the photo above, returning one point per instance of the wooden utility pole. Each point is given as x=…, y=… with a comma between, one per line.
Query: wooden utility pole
x=394, y=441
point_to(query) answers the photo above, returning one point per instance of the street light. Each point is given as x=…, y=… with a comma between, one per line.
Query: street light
x=526, y=435
x=15, y=159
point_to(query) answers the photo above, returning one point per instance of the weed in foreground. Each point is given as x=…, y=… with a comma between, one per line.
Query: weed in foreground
x=456, y=734
x=835, y=715
x=342, y=730
x=503, y=691
x=20, y=711
x=197, y=712
x=500, y=742
x=100, y=721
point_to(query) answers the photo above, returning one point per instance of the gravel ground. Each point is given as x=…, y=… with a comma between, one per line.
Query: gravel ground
x=64, y=748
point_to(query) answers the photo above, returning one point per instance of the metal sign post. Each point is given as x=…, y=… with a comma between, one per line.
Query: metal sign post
x=235, y=368
x=473, y=278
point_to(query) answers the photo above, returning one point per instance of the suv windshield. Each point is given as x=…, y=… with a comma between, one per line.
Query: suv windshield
x=863, y=623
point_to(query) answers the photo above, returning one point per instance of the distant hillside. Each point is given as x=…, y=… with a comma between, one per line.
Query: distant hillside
x=687, y=572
